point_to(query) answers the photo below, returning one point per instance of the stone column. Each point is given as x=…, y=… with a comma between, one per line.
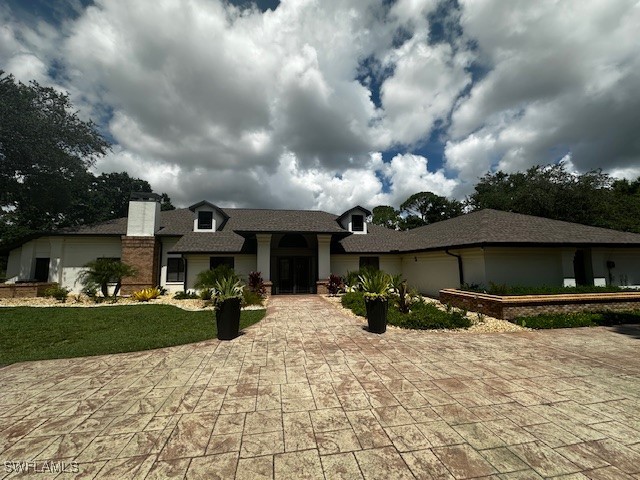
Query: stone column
x=264, y=258
x=324, y=262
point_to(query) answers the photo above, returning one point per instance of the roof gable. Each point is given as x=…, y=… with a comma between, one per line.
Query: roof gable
x=363, y=210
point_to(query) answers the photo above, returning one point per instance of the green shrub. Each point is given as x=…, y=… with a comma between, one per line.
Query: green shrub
x=57, y=292
x=573, y=320
x=426, y=316
x=354, y=301
x=250, y=297
x=503, y=289
x=206, y=294
x=188, y=295
x=422, y=316
x=209, y=278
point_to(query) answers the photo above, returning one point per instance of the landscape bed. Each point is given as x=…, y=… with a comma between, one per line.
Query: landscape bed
x=423, y=316
x=32, y=333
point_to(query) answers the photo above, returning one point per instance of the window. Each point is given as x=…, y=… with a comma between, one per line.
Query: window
x=42, y=270
x=293, y=240
x=217, y=261
x=205, y=220
x=175, y=270
x=357, y=223
x=371, y=262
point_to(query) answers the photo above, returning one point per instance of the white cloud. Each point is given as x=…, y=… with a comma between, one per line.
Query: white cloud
x=208, y=101
x=564, y=79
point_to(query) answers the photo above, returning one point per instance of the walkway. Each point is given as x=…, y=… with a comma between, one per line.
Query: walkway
x=308, y=393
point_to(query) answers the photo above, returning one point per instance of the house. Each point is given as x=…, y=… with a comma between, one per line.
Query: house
x=297, y=250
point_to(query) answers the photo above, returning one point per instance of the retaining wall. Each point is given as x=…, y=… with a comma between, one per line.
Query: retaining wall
x=23, y=290
x=512, y=306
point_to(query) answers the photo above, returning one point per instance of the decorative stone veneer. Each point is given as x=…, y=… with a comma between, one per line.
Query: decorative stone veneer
x=510, y=307
x=321, y=287
x=24, y=290
x=142, y=253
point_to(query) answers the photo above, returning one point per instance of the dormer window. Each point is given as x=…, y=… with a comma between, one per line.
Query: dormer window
x=357, y=223
x=205, y=220
x=207, y=217
x=355, y=220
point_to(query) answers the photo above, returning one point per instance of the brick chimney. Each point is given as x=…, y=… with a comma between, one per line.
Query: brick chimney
x=140, y=246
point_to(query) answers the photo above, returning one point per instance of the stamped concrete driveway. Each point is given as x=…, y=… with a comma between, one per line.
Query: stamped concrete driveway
x=308, y=393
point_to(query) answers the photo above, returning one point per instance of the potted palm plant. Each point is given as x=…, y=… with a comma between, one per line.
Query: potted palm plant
x=375, y=285
x=227, y=295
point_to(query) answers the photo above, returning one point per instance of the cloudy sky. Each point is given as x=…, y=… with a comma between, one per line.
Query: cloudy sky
x=331, y=103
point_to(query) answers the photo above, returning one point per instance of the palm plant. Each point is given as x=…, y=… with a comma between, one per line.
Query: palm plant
x=103, y=271
x=375, y=284
x=400, y=291
x=226, y=288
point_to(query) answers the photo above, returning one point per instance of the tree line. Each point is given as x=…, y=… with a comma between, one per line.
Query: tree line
x=46, y=152
x=592, y=198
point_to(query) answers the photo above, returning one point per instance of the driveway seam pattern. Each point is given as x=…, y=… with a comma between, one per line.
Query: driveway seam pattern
x=309, y=393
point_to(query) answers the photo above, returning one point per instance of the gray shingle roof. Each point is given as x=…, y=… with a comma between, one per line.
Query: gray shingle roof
x=225, y=241
x=493, y=227
x=117, y=226
x=305, y=221
x=378, y=239
x=484, y=227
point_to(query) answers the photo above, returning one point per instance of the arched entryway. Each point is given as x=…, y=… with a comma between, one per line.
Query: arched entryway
x=294, y=263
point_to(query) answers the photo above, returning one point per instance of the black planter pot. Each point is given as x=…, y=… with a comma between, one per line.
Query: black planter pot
x=228, y=319
x=377, y=314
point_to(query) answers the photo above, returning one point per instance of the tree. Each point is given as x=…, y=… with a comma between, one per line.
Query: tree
x=429, y=208
x=386, y=216
x=108, y=197
x=45, y=154
x=591, y=198
x=45, y=150
x=102, y=272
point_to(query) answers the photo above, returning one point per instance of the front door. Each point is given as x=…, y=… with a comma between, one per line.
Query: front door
x=294, y=275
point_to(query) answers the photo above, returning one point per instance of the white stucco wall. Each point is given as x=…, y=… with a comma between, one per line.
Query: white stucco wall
x=430, y=272
x=13, y=264
x=473, y=265
x=392, y=264
x=67, y=255
x=341, y=264
x=627, y=265
x=243, y=265
x=78, y=251
x=143, y=219
x=524, y=266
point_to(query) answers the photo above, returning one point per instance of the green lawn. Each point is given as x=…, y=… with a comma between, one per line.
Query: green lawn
x=29, y=333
